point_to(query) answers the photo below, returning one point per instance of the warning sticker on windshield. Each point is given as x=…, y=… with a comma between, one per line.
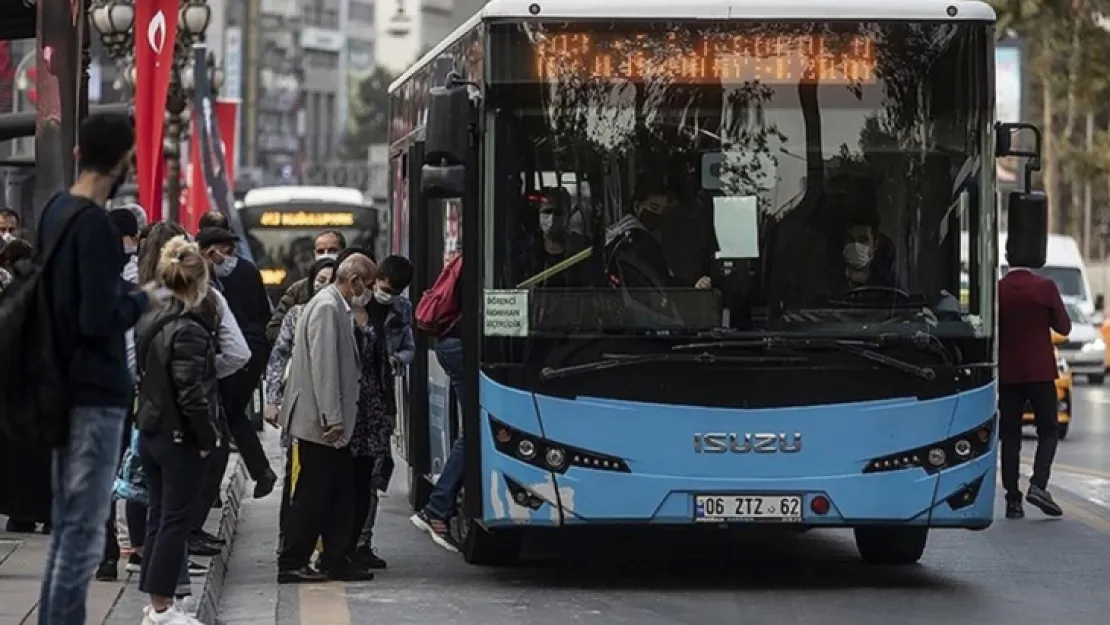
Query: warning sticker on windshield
x=505, y=312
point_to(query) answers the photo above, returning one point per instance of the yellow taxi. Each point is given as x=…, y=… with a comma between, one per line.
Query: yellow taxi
x=1063, y=393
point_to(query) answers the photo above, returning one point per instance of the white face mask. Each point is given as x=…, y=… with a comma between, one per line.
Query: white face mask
x=362, y=301
x=225, y=268
x=382, y=297
x=547, y=221
x=857, y=255
x=327, y=255
x=7, y=237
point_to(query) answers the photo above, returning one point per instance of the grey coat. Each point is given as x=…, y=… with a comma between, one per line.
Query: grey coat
x=322, y=390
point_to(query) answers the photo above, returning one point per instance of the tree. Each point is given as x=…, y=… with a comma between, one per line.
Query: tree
x=368, y=122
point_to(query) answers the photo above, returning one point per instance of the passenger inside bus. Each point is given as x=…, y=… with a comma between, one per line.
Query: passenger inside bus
x=688, y=245
x=557, y=242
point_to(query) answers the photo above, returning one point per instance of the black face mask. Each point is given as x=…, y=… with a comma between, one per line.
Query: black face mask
x=651, y=221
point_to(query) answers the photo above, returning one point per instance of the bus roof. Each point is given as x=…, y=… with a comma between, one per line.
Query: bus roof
x=271, y=196
x=965, y=10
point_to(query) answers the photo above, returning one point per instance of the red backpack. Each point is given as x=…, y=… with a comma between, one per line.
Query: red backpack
x=439, y=310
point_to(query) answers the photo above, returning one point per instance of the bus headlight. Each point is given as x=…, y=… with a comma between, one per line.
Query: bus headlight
x=550, y=455
x=938, y=456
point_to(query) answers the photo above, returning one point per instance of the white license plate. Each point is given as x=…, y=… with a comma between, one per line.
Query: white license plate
x=724, y=508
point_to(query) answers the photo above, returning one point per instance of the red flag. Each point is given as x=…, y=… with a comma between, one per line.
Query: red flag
x=155, y=34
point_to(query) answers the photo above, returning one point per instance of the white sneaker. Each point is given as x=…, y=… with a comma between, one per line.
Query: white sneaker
x=172, y=616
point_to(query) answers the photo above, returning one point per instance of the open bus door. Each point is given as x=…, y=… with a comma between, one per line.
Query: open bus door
x=414, y=428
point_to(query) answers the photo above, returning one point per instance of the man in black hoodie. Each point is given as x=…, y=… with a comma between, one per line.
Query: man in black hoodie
x=241, y=283
x=91, y=309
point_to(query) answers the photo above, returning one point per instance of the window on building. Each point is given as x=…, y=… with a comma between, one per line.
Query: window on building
x=361, y=11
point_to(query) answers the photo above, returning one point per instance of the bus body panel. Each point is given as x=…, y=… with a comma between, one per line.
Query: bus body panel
x=656, y=442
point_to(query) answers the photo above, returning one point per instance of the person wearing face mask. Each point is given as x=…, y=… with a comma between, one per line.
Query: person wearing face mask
x=241, y=284
x=862, y=264
x=9, y=224
x=390, y=316
x=320, y=275
x=320, y=416
x=687, y=261
x=558, y=242
x=328, y=244
x=91, y=308
x=128, y=228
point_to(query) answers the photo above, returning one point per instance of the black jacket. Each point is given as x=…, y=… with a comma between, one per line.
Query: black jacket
x=91, y=306
x=246, y=297
x=178, y=391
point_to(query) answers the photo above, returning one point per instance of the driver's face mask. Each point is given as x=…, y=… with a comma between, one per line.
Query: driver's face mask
x=858, y=255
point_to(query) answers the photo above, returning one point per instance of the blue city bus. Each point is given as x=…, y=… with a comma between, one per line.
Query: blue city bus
x=712, y=266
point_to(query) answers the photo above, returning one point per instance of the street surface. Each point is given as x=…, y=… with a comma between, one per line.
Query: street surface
x=1017, y=572
x=1030, y=571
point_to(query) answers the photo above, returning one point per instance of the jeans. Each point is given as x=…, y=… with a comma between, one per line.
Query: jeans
x=441, y=503
x=83, y=473
x=1011, y=407
x=171, y=467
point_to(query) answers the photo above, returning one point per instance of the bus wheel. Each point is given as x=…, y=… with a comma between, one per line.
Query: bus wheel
x=891, y=544
x=420, y=489
x=489, y=548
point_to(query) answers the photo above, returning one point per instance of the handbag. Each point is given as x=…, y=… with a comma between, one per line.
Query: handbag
x=130, y=484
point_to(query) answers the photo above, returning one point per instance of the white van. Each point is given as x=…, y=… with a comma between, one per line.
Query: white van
x=1063, y=265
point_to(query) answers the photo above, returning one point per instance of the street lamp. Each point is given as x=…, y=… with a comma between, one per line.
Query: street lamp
x=115, y=21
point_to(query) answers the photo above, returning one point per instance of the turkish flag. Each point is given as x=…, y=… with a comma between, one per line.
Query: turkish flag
x=155, y=35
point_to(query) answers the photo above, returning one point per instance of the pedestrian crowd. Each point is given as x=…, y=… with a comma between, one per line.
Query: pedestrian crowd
x=161, y=338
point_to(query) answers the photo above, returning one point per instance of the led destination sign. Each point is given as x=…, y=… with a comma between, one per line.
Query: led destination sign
x=701, y=57
x=303, y=219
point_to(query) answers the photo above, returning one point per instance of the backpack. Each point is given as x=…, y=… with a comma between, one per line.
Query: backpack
x=34, y=404
x=438, y=310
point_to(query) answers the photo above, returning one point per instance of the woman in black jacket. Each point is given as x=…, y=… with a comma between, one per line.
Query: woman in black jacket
x=177, y=417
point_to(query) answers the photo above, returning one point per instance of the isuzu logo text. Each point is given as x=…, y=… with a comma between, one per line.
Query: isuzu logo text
x=747, y=442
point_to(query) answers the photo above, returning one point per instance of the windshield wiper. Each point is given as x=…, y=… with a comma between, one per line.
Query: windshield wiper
x=612, y=361
x=862, y=348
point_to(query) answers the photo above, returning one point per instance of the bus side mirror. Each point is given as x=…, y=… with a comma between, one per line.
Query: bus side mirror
x=1027, y=241
x=446, y=141
x=443, y=182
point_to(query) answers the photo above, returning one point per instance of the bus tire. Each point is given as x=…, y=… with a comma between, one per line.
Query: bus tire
x=420, y=489
x=898, y=545
x=489, y=548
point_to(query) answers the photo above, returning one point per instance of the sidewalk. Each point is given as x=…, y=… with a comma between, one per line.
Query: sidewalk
x=22, y=557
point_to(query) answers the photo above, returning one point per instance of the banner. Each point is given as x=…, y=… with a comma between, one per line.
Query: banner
x=155, y=38
x=196, y=204
x=212, y=158
x=57, y=75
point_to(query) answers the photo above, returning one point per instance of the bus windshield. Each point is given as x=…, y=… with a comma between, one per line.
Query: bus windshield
x=795, y=177
x=281, y=236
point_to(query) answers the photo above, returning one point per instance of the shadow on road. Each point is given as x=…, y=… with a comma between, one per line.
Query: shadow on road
x=665, y=561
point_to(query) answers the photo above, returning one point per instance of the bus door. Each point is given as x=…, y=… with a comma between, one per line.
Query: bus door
x=444, y=222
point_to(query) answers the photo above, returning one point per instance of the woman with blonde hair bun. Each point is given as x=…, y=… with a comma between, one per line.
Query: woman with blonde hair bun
x=177, y=417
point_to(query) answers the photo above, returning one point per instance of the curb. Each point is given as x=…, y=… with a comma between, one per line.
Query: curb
x=217, y=568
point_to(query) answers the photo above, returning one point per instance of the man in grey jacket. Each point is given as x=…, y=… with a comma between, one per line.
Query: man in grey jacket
x=319, y=412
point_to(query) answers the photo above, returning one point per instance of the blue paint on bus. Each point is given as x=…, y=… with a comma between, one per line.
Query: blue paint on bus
x=656, y=443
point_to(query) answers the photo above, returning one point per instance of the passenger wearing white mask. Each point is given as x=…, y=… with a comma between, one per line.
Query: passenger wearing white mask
x=328, y=244
x=863, y=263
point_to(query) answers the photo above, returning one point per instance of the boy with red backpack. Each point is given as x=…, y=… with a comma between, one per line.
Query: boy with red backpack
x=438, y=314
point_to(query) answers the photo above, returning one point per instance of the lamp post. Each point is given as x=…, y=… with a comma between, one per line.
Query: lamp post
x=115, y=21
